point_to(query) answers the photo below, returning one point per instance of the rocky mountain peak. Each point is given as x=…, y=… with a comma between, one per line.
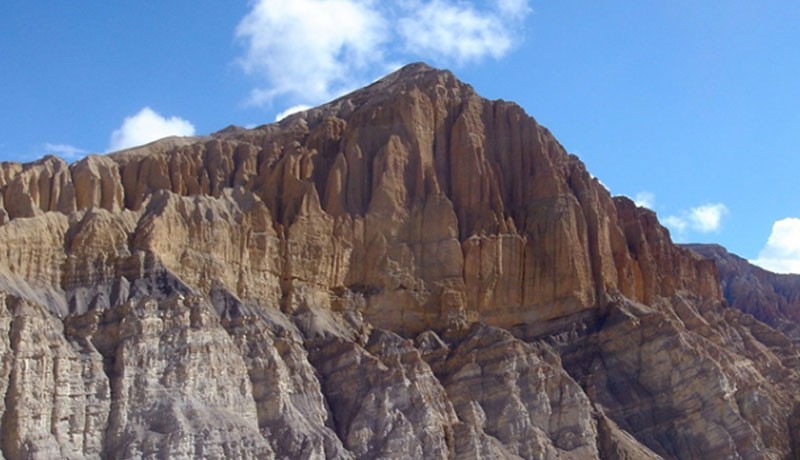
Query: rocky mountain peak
x=415, y=77
x=435, y=200
x=408, y=271
x=417, y=72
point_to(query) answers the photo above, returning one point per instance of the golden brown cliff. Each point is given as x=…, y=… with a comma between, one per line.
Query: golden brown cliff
x=410, y=271
x=414, y=190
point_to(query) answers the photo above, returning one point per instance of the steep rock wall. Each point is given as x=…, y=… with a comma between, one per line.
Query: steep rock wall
x=408, y=271
x=414, y=191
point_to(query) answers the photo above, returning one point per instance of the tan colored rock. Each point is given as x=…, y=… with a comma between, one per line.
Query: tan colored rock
x=385, y=184
x=9, y=169
x=33, y=249
x=41, y=186
x=252, y=294
x=228, y=241
x=97, y=259
x=98, y=184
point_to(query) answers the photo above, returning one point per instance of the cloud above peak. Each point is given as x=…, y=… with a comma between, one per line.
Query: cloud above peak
x=309, y=47
x=313, y=50
x=457, y=31
x=146, y=126
x=781, y=254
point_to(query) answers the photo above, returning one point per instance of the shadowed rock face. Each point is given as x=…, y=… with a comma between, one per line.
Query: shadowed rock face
x=770, y=297
x=410, y=271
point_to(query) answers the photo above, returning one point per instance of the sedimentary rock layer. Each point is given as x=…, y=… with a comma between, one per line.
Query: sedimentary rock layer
x=414, y=190
x=770, y=297
x=410, y=271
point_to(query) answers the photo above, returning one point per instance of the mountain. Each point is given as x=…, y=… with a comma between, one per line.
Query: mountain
x=409, y=271
x=772, y=298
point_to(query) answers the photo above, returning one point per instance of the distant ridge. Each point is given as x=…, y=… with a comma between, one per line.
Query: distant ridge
x=772, y=298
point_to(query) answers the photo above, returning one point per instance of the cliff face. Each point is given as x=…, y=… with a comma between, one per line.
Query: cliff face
x=414, y=190
x=408, y=271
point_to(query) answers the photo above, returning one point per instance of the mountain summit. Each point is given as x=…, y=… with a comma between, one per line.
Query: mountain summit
x=409, y=271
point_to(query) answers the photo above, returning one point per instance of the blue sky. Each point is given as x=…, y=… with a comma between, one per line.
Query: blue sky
x=691, y=107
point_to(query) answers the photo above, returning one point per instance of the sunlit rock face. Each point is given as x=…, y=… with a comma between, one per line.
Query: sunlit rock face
x=410, y=271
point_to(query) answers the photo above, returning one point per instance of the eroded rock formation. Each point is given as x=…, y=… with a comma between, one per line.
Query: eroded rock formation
x=770, y=297
x=410, y=271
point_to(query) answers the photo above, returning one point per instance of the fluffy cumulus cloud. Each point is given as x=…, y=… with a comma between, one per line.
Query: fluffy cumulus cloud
x=707, y=218
x=65, y=151
x=702, y=219
x=147, y=126
x=310, y=47
x=313, y=50
x=444, y=29
x=782, y=251
x=460, y=32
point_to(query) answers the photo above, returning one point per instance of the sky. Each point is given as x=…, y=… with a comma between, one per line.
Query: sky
x=690, y=108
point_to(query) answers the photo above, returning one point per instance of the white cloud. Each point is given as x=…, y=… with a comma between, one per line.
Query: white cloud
x=707, y=218
x=781, y=254
x=702, y=219
x=65, y=151
x=291, y=110
x=310, y=47
x=645, y=200
x=318, y=49
x=147, y=126
x=446, y=29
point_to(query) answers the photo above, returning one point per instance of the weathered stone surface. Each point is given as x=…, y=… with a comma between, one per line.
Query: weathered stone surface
x=178, y=386
x=410, y=271
x=56, y=395
x=683, y=385
x=41, y=186
x=518, y=394
x=292, y=410
x=770, y=297
x=396, y=408
x=98, y=184
x=414, y=190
